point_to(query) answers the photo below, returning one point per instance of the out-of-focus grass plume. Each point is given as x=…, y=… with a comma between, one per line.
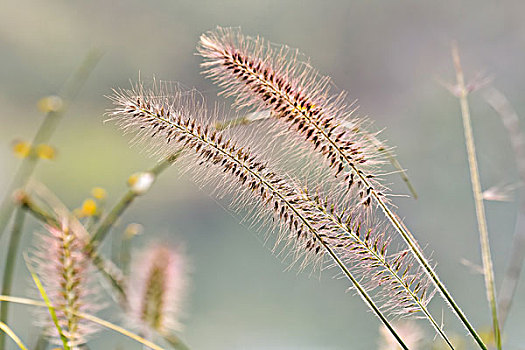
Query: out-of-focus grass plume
x=156, y=289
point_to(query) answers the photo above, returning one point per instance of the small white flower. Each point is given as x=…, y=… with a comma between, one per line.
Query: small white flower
x=140, y=183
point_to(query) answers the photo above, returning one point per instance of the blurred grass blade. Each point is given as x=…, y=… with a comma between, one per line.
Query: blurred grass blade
x=488, y=271
x=244, y=120
x=10, y=264
x=99, y=321
x=5, y=328
x=68, y=93
x=50, y=307
x=393, y=160
x=511, y=278
x=42, y=342
x=119, y=329
x=174, y=341
x=382, y=148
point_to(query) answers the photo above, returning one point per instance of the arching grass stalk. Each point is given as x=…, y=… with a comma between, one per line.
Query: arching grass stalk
x=88, y=317
x=264, y=77
x=68, y=93
x=488, y=271
x=6, y=330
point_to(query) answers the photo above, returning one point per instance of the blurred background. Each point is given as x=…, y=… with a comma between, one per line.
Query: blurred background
x=389, y=55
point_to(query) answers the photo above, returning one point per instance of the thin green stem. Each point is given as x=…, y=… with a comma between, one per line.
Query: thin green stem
x=111, y=218
x=165, y=163
x=68, y=93
x=392, y=159
x=125, y=202
x=488, y=270
x=416, y=251
x=244, y=120
x=364, y=295
x=27, y=203
x=399, y=280
x=410, y=241
x=233, y=122
x=402, y=173
x=121, y=251
x=7, y=282
x=50, y=307
x=111, y=272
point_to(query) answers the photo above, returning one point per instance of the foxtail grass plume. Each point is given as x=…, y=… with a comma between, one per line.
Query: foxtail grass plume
x=265, y=76
x=156, y=289
x=305, y=222
x=67, y=276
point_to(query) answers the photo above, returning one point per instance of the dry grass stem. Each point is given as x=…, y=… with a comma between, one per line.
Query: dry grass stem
x=488, y=270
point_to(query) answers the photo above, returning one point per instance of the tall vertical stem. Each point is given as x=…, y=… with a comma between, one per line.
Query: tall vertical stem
x=488, y=271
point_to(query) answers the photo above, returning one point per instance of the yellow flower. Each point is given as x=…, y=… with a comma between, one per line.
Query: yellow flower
x=45, y=151
x=99, y=193
x=89, y=207
x=50, y=104
x=21, y=149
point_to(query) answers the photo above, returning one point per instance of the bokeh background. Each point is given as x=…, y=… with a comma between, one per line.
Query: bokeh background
x=389, y=55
